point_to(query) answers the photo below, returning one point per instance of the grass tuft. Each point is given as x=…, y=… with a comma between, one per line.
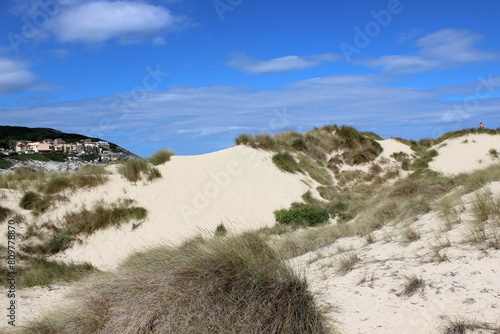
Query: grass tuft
x=230, y=285
x=286, y=162
x=161, y=156
x=412, y=285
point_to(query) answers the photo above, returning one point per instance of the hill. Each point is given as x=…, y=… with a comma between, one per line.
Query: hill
x=385, y=232
x=9, y=135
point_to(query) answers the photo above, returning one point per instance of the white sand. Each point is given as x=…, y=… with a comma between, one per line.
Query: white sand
x=465, y=154
x=392, y=146
x=239, y=187
x=466, y=287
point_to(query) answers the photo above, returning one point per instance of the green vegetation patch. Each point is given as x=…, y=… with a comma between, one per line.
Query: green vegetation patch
x=301, y=214
x=286, y=162
x=35, y=271
x=133, y=170
x=101, y=216
x=316, y=172
x=161, y=156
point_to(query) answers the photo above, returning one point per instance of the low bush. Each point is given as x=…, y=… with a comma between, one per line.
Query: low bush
x=300, y=214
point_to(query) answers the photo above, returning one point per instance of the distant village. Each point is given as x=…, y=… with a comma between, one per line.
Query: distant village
x=73, y=150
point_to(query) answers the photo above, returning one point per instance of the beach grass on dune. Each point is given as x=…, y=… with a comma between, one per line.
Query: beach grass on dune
x=223, y=285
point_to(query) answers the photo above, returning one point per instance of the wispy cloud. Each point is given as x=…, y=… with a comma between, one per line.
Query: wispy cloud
x=100, y=21
x=212, y=116
x=444, y=49
x=14, y=76
x=245, y=63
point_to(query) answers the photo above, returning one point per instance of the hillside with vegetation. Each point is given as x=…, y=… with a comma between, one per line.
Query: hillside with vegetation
x=10, y=135
x=329, y=231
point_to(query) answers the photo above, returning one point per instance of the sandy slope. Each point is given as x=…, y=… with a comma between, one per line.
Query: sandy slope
x=466, y=286
x=465, y=154
x=239, y=187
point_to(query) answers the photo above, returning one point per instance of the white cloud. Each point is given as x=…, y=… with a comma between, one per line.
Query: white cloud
x=444, y=49
x=197, y=119
x=14, y=76
x=247, y=64
x=100, y=21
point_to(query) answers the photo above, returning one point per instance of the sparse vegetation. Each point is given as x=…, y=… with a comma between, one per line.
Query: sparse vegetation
x=200, y=285
x=412, y=285
x=101, y=216
x=347, y=262
x=493, y=153
x=36, y=271
x=161, y=156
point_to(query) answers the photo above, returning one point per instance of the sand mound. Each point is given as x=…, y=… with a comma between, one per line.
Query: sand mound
x=465, y=154
x=392, y=146
x=239, y=187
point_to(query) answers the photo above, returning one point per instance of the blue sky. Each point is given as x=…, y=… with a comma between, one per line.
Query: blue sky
x=194, y=74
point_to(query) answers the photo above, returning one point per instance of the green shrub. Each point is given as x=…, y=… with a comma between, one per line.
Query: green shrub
x=300, y=214
x=286, y=162
x=161, y=156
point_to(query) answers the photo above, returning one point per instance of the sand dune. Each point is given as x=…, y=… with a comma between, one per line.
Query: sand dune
x=241, y=187
x=465, y=154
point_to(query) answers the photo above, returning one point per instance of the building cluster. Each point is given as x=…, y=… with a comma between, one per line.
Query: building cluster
x=85, y=146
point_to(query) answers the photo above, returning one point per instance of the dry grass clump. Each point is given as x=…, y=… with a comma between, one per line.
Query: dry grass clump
x=134, y=170
x=4, y=213
x=161, y=156
x=316, y=172
x=21, y=178
x=101, y=216
x=346, y=263
x=225, y=285
x=36, y=271
x=460, y=325
x=412, y=285
x=49, y=238
x=485, y=230
x=36, y=202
